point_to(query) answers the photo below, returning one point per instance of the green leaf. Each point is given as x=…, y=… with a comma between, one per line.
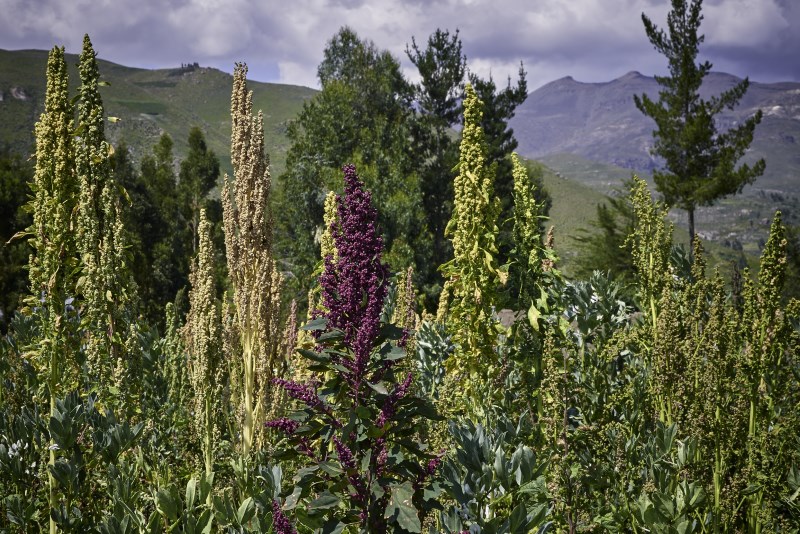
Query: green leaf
x=378, y=388
x=333, y=526
x=167, y=504
x=314, y=356
x=333, y=335
x=205, y=522
x=331, y=468
x=246, y=511
x=320, y=323
x=396, y=353
x=401, y=508
x=325, y=501
x=519, y=520
x=533, y=316
x=190, y=493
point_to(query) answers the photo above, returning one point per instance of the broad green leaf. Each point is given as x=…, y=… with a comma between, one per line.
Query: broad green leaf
x=401, y=508
x=246, y=511
x=320, y=323
x=325, y=501
x=190, y=493
x=533, y=316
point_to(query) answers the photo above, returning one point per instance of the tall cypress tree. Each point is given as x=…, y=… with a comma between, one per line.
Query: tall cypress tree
x=700, y=162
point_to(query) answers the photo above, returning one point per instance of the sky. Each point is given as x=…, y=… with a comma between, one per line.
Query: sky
x=590, y=40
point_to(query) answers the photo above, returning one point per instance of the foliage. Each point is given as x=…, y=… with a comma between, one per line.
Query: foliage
x=470, y=291
x=496, y=480
x=567, y=406
x=700, y=161
x=15, y=173
x=603, y=246
x=109, y=299
x=361, y=115
x=442, y=67
x=498, y=110
x=353, y=436
x=254, y=277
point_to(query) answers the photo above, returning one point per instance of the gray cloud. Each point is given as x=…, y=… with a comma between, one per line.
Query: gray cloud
x=591, y=40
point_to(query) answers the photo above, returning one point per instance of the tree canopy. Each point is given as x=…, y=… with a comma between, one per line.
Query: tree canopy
x=699, y=161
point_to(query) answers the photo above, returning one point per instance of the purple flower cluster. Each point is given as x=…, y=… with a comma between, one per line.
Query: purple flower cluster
x=344, y=453
x=284, y=424
x=429, y=470
x=348, y=461
x=280, y=523
x=305, y=393
x=354, y=286
x=389, y=408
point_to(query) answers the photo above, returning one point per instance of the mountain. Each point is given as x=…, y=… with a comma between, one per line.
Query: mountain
x=599, y=122
x=593, y=133
x=149, y=103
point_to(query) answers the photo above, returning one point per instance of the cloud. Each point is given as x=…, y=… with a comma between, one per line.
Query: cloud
x=591, y=40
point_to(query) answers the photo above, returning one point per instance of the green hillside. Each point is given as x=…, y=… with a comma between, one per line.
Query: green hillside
x=149, y=103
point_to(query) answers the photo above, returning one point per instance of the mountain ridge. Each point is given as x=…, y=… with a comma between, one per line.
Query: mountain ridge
x=599, y=121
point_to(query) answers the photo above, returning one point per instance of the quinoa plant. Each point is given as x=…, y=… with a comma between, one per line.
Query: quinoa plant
x=106, y=282
x=254, y=357
x=470, y=293
x=202, y=332
x=53, y=263
x=354, y=431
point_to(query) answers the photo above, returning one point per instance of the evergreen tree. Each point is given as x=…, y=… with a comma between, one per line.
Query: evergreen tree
x=163, y=243
x=442, y=67
x=700, y=162
x=361, y=116
x=15, y=173
x=603, y=246
x=199, y=173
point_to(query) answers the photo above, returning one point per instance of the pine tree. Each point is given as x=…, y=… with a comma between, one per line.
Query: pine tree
x=700, y=162
x=442, y=67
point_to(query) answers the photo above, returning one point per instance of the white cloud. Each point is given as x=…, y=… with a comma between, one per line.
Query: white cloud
x=592, y=40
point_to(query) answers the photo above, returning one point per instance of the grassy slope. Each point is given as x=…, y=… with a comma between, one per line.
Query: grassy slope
x=149, y=102
x=743, y=218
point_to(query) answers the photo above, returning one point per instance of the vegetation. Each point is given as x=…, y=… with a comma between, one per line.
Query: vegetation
x=366, y=113
x=700, y=161
x=529, y=403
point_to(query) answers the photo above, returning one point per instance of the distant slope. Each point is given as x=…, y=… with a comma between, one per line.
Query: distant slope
x=600, y=122
x=593, y=133
x=149, y=102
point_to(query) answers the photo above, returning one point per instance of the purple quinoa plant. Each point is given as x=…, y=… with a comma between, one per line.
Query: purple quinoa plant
x=355, y=432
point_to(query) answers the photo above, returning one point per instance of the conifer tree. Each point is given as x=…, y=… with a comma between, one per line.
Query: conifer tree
x=700, y=162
